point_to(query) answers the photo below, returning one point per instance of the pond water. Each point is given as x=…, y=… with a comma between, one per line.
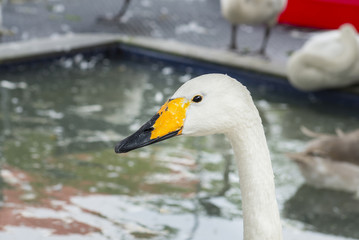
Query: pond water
x=62, y=180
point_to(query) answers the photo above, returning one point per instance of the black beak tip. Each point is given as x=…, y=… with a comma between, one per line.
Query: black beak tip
x=117, y=150
x=121, y=147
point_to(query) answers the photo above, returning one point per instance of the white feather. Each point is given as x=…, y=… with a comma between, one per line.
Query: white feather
x=227, y=107
x=327, y=60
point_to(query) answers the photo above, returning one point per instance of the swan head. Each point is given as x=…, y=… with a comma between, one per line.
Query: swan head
x=208, y=104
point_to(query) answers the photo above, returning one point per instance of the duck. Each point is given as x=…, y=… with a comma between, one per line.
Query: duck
x=252, y=12
x=119, y=15
x=218, y=104
x=330, y=161
x=327, y=60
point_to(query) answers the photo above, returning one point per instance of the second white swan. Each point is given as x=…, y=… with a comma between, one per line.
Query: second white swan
x=327, y=60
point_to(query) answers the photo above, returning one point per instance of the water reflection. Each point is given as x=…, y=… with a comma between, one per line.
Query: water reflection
x=325, y=211
x=59, y=169
x=5, y=111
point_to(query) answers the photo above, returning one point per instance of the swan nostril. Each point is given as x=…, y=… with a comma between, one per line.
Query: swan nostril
x=149, y=129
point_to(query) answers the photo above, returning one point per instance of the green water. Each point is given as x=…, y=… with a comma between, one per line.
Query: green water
x=59, y=126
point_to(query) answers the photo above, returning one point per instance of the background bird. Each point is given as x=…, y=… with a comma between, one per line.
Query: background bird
x=330, y=161
x=327, y=60
x=252, y=12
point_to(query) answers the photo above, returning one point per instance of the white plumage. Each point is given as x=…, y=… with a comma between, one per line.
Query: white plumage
x=327, y=60
x=252, y=12
x=228, y=108
x=224, y=106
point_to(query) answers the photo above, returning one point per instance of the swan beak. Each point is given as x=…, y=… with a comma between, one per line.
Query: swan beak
x=168, y=122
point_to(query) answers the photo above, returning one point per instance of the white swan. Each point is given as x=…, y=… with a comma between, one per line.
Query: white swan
x=252, y=12
x=212, y=104
x=330, y=161
x=327, y=60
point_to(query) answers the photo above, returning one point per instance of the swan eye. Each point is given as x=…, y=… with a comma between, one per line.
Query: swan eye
x=197, y=98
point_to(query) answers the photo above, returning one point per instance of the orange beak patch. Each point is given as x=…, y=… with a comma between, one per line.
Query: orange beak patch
x=171, y=117
x=166, y=123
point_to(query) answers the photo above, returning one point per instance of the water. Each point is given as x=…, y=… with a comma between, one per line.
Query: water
x=62, y=180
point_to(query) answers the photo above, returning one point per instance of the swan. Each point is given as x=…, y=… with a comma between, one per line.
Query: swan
x=214, y=104
x=252, y=12
x=330, y=161
x=327, y=60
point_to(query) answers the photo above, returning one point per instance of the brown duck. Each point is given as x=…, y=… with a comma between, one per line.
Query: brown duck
x=330, y=161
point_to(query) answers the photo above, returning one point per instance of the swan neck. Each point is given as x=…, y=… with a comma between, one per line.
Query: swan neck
x=260, y=211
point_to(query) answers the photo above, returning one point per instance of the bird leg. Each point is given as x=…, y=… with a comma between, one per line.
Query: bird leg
x=233, y=44
x=119, y=15
x=123, y=9
x=267, y=32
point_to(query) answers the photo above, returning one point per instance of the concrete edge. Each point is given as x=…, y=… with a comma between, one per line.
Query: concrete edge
x=16, y=51
x=217, y=56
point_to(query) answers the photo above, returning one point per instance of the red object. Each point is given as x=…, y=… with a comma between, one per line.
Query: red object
x=329, y=14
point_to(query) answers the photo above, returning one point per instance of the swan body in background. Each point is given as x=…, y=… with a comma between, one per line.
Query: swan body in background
x=330, y=161
x=216, y=103
x=327, y=60
x=252, y=12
